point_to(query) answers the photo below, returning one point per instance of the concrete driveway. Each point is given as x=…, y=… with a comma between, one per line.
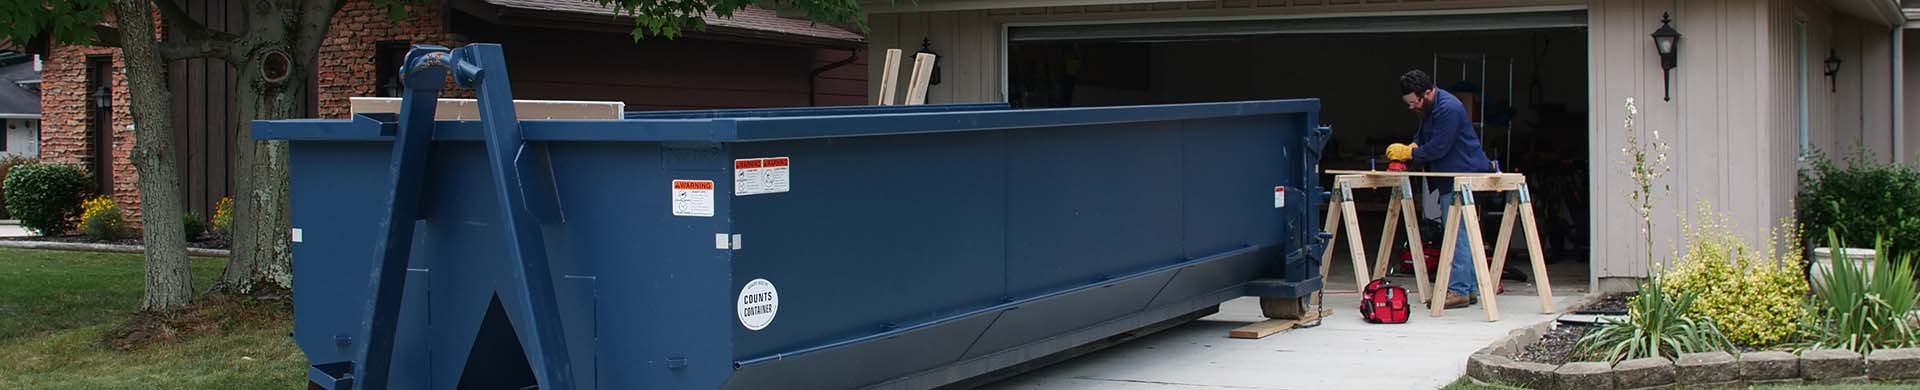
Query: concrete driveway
x=1343, y=352
x=11, y=228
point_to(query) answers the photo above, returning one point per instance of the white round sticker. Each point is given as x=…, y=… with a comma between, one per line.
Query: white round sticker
x=759, y=302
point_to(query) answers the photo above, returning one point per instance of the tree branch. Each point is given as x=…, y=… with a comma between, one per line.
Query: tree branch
x=315, y=16
x=196, y=40
x=221, y=49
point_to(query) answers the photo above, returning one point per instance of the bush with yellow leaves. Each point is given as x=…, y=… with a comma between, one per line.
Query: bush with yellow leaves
x=100, y=218
x=223, y=216
x=1755, y=297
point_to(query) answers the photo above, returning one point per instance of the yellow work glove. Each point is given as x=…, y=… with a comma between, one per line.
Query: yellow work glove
x=1399, y=152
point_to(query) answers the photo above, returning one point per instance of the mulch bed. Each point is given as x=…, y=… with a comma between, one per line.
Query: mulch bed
x=1612, y=304
x=212, y=313
x=204, y=242
x=1556, y=345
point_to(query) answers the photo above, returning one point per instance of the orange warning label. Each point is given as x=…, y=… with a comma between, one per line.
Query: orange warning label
x=757, y=176
x=693, y=198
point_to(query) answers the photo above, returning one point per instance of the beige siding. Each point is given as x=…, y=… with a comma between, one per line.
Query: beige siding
x=1911, y=79
x=1724, y=124
x=1862, y=110
x=968, y=43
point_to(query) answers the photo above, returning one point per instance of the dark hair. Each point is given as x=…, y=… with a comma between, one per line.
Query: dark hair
x=1415, y=81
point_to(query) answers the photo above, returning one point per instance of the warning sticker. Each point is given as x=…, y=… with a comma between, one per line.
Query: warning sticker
x=758, y=303
x=1279, y=196
x=693, y=198
x=756, y=176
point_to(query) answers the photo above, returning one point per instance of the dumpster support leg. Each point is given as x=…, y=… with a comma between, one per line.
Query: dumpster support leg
x=526, y=291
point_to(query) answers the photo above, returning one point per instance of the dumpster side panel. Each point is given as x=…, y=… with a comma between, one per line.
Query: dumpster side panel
x=337, y=187
x=662, y=298
x=875, y=232
x=1092, y=202
x=1043, y=230
x=1231, y=167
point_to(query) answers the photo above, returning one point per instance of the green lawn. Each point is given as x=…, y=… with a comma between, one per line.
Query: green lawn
x=55, y=307
x=1466, y=384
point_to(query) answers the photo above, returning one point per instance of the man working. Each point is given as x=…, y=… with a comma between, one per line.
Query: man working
x=1446, y=142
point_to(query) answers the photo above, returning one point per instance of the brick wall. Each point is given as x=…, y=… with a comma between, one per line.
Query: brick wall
x=64, y=122
x=346, y=69
x=347, y=57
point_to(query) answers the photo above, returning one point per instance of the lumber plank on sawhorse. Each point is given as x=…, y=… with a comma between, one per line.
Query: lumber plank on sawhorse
x=1266, y=328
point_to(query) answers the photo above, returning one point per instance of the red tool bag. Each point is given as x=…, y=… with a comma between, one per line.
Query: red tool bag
x=1383, y=303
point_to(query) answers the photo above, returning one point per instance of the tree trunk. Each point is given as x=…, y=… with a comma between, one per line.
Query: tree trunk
x=169, y=287
x=282, y=39
x=262, y=248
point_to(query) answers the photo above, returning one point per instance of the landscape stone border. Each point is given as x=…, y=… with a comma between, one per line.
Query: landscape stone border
x=108, y=248
x=1693, y=370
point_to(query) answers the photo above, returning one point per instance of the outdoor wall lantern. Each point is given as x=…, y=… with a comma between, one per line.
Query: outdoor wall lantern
x=926, y=46
x=1833, y=68
x=1666, y=41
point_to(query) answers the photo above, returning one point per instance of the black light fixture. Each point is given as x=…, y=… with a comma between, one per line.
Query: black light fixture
x=1833, y=68
x=926, y=46
x=1666, y=41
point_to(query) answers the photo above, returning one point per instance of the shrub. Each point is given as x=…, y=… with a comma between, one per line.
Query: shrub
x=1862, y=311
x=101, y=219
x=7, y=162
x=223, y=216
x=1863, y=200
x=46, y=197
x=192, y=225
x=1657, y=324
x=1755, y=298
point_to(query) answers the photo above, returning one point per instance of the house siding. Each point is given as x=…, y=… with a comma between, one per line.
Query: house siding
x=205, y=121
x=64, y=121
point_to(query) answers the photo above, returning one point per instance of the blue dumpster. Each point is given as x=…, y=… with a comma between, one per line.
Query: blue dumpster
x=810, y=248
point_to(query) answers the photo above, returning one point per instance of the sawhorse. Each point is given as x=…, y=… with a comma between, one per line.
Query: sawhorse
x=1518, y=200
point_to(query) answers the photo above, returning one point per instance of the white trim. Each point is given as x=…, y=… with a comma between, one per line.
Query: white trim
x=889, y=7
x=1322, y=15
x=1899, y=96
x=1889, y=11
x=1006, y=92
x=20, y=116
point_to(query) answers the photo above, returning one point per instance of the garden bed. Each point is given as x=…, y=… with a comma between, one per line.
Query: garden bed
x=1540, y=357
x=204, y=242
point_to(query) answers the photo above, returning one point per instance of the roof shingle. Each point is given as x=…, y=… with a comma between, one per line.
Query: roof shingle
x=750, y=18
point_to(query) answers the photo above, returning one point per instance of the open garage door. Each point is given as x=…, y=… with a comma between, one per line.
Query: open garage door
x=1522, y=75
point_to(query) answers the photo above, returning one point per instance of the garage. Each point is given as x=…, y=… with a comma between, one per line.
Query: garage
x=1523, y=76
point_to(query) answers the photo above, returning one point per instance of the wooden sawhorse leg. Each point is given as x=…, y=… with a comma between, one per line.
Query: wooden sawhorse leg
x=1354, y=246
x=1463, y=208
x=1401, y=208
x=1521, y=201
x=1340, y=209
x=1326, y=255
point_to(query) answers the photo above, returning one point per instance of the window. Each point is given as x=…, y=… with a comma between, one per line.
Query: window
x=1800, y=84
x=387, y=57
